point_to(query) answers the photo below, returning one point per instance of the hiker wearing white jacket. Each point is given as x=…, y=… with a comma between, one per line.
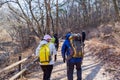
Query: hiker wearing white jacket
x=47, y=69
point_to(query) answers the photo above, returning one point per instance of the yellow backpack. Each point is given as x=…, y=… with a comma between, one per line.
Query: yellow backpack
x=44, y=54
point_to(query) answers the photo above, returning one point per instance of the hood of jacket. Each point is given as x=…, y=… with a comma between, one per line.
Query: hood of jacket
x=43, y=42
x=68, y=35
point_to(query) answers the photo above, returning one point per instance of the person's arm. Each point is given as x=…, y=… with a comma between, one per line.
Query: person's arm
x=63, y=51
x=54, y=51
x=37, y=50
x=70, y=54
x=36, y=54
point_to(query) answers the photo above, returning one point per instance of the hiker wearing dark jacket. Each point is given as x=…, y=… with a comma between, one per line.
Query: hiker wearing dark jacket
x=71, y=62
x=56, y=41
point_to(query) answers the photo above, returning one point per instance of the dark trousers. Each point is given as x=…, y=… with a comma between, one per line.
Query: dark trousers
x=70, y=70
x=47, y=70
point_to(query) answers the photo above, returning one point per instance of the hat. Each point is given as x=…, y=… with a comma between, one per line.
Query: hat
x=46, y=37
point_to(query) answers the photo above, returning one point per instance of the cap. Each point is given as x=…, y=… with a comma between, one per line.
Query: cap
x=46, y=37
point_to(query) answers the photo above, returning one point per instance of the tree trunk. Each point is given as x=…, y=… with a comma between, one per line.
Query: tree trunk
x=47, y=17
x=57, y=26
x=116, y=9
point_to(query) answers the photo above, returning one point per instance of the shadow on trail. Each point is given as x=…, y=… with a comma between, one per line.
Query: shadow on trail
x=88, y=55
x=58, y=63
x=88, y=66
x=94, y=71
x=94, y=67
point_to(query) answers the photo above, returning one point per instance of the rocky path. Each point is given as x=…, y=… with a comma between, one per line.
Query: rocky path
x=91, y=68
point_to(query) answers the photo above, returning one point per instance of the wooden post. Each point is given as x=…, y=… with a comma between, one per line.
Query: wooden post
x=20, y=57
x=20, y=65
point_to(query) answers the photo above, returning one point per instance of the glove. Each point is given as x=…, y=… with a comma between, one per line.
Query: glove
x=64, y=60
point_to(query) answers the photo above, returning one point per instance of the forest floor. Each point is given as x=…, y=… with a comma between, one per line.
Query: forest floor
x=91, y=69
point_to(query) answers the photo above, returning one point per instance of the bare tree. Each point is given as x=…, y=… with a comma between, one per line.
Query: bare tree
x=47, y=5
x=116, y=9
x=57, y=17
x=70, y=14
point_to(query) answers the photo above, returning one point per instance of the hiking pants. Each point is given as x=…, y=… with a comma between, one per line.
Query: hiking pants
x=47, y=70
x=70, y=70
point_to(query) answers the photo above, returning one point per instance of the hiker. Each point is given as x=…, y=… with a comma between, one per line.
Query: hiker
x=46, y=52
x=68, y=55
x=56, y=42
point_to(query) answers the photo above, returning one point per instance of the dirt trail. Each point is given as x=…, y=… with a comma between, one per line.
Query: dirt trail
x=91, y=68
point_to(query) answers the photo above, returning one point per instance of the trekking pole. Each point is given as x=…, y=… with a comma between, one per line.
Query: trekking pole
x=82, y=41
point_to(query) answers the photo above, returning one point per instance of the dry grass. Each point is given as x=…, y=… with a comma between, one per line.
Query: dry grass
x=4, y=36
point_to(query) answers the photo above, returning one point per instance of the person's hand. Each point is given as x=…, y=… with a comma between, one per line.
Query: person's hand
x=33, y=54
x=64, y=60
x=81, y=62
